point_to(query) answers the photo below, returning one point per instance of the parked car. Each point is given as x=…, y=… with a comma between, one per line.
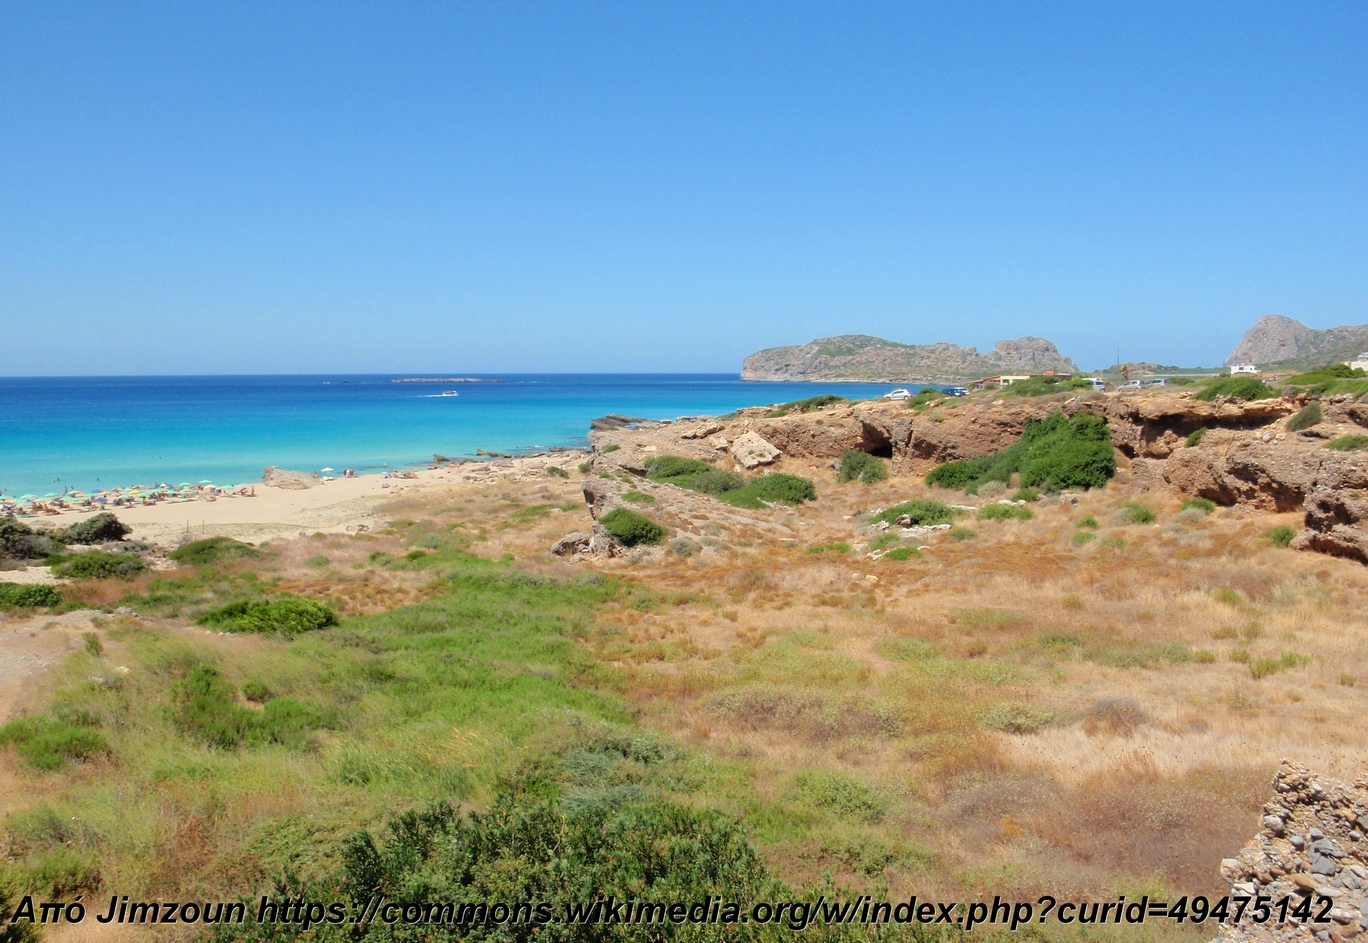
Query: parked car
x=1156, y=381
x=1096, y=383
x=1130, y=385
x=897, y=394
x=956, y=391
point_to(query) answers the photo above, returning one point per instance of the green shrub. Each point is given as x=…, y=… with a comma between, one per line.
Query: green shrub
x=675, y=469
x=806, y=405
x=1046, y=386
x=1280, y=536
x=18, y=931
x=1053, y=453
x=1133, y=512
x=285, y=616
x=586, y=467
x=206, y=708
x=93, y=646
x=1243, y=388
x=28, y=596
x=1005, y=512
x=1305, y=418
x=1199, y=504
x=98, y=529
x=610, y=447
x=318, y=561
x=1260, y=668
x=1195, y=439
x=256, y=692
x=98, y=565
x=49, y=744
x=1087, y=522
x=1028, y=495
x=556, y=471
x=903, y=553
x=213, y=549
x=16, y=539
x=637, y=497
x=717, y=481
x=1081, y=537
x=1348, y=443
x=829, y=548
x=771, y=489
x=921, y=512
x=962, y=533
x=840, y=794
x=631, y=529
x=862, y=467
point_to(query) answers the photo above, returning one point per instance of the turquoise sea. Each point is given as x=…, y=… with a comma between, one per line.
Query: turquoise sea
x=100, y=432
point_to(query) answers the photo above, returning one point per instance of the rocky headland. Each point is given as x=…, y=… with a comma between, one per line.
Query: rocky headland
x=1283, y=343
x=857, y=357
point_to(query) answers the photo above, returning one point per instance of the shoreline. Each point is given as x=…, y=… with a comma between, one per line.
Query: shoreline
x=338, y=505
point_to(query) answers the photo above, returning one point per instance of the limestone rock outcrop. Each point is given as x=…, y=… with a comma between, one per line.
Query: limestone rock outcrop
x=751, y=451
x=275, y=477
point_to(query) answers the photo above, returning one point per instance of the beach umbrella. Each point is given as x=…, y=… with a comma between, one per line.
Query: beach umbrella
x=327, y=469
x=205, y=481
x=27, y=497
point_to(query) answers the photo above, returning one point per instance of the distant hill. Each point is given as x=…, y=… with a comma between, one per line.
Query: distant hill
x=858, y=357
x=1282, y=342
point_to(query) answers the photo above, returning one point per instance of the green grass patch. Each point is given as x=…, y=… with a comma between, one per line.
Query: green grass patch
x=213, y=549
x=284, y=616
x=960, y=534
x=1133, y=512
x=1083, y=536
x=1199, y=504
x=861, y=466
x=1018, y=718
x=97, y=565
x=1306, y=417
x=1194, y=438
x=829, y=548
x=1331, y=379
x=585, y=467
x=50, y=744
x=1054, y=453
x=842, y=794
x=1087, y=522
x=610, y=447
x=637, y=497
x=728, y=486
x=899, y=554
x=28, y=596
x=555, y=471
x=1241, y=388
x=1260, y=668
x=1005, y=512
x=1348, y=443
x=776, y=488
x=631, y=528
x=1046, y=386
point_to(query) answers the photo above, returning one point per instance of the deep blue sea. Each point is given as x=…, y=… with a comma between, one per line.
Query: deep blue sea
x=101, y=432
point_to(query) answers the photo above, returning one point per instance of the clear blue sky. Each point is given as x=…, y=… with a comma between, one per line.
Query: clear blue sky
x=581, y=186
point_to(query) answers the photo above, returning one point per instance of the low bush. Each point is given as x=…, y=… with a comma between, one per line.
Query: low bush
x=829, y=548
x=1348, y=443
x=49, y=744
x=717, y=481
x=861, y=466
x=637, y=497
x=903, y=553
x=555, y=471
x=919, y=512
x=1005, y=512
x=98, y=529
x=685, y=546
x=1083, y=536
x=28, y=596
x=1199, y=504
x=1195, y=438
x=586, y=467
x=1018, y=718
x=18, y=541
x=213, y=549
x=777, y=488
x=1242, y=388
x=205, y=708
x=1334, y=378
x=676, y=469
x=962, y=533
x=1280, y=536
x=97, y=565
x=1260, y=668
x=610, y=447
x=1047, y=385
x=1132, y=512
x=284, y=615
x=806, y=405
x=1027, y=494
x=631, y=529
x=1087, y=522
x=93, y=646
x=256, y=692
x=841, y=794
x=1052, y=454
x=1305, y=418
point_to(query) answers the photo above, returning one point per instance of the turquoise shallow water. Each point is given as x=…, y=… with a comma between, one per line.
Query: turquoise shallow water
x=99, y=432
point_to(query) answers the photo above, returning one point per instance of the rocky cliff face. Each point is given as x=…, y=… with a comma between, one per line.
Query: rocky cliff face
x=1275, y=339
x=1246, y=456
x=858, y=357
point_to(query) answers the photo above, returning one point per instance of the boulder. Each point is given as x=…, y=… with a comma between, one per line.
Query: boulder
x=571, y=544
x=718, y=442
x=752, y=451
x=703, y=431
x=275, y=477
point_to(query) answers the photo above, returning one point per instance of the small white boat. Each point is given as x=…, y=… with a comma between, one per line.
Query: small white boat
x=448, y=393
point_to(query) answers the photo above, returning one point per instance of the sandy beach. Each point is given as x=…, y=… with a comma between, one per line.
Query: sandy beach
x=339, y=505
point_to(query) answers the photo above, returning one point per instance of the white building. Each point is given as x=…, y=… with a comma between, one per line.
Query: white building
x=1240, y=368
x=1361, y=363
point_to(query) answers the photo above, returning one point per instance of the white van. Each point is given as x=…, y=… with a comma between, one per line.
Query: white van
x=1096, y=383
